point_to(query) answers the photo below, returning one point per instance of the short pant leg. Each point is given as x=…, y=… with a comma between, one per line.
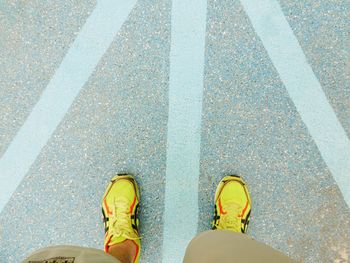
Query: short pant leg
x=224, y=246
x=69, y=254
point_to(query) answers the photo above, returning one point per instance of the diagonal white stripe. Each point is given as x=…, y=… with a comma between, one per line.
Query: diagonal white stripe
x=303, y=87
x=92, y=42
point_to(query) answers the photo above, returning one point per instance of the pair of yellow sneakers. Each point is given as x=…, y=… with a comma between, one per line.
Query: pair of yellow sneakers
x=120, y=207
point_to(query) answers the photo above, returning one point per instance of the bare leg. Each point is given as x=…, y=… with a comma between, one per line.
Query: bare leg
x=124, y=251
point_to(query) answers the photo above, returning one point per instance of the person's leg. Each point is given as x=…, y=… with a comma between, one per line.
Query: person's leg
x=119, y=207
x=223, y=246
x=122, y=241
x=227, y=241
x=124, y=251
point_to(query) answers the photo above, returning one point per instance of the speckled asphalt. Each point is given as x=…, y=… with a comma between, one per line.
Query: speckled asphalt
x=118, y=123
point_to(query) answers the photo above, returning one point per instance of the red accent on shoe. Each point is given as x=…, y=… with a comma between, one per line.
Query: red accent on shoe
x=106, y=246
x=108, y=211
x=221, y=210
x=137, y=250
x=245, y=208
x=133, y=204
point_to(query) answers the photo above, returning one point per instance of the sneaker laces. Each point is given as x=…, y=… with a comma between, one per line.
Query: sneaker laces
x=120, y=220
x=232, y=219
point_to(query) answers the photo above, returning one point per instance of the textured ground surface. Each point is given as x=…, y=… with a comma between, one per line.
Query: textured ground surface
x=118, y=123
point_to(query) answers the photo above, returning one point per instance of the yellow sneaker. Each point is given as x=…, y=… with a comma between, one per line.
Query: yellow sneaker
x=119, y=208
x=232, y=205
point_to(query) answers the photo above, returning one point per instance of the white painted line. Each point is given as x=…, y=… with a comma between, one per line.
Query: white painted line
x=92, y=42
x=188, y=25
x=303, y=87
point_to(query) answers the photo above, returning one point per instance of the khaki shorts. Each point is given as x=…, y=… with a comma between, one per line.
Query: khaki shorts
x=70, y=254
x=210, y=246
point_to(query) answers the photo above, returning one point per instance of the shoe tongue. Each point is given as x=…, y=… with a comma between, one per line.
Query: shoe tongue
x=233, y=222
x=233, y=205
x=120, y=238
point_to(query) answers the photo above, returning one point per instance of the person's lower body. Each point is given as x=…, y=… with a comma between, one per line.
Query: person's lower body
x=70, y=254
x=228, y=247
x=211, y=246
x=227, y=241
